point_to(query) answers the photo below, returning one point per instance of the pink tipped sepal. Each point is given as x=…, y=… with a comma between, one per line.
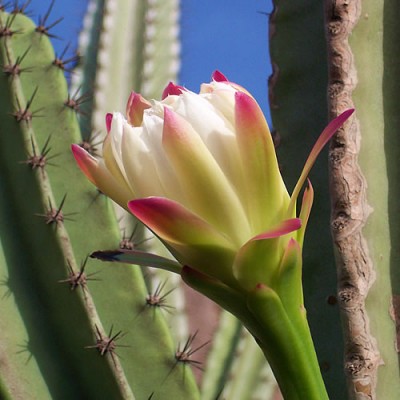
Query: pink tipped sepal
x=285, y=227
x=86, y=162
x=323, y=139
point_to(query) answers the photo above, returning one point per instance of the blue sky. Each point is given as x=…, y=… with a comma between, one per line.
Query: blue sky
x=231, y=36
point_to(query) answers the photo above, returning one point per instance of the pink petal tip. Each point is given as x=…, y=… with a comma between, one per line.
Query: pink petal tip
x=284, y=228
x=218, y=76
x=109, y=118
x=172, y=89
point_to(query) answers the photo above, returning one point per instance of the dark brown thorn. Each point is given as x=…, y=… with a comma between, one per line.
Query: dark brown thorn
x=26, y=114
x=28, y=104
x=266, y=13
x=3, y=6
x=74, y=102
x=25, y=348
x=17, y=9
x=80, y=278
x=158, y=298
x=6, y=282
x=128, y=243
x=15, y=69
x=38, y=160
x=5, y=30
x=90, y=145
x=184, y=355
x=44, y=29
x=55, y=215
x=98, y=194
x=107, y=344
x=61, y=62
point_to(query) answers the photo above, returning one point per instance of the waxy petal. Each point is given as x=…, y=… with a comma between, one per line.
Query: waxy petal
x=259, y=259
x=99, y=175
x=169, y=186
x=323, y=139
x=191, y=240
x=171, y=90
x=266, y=190
x=113, y=165
x=112, y=150
x=215, y=129
x=138, y=163
x=135, y=108
x=199, y=173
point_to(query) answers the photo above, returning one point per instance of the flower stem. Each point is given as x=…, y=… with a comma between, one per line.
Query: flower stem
x=286, y=342
x=287, y=347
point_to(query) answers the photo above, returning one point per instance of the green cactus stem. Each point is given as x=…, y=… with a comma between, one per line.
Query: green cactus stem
x=364, y=70
x=63, y=332
x=136, y=49
x=298, y=103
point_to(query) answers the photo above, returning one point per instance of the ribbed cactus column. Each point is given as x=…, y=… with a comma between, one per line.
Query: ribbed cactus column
x=65, y=332
x=364, y=158
x=299, y=112
x=136, y=49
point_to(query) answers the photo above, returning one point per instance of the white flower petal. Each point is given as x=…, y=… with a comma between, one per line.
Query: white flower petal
x=215, y=130
x=153, y=125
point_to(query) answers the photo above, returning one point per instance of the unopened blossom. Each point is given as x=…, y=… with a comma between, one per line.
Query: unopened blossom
x=201, y=172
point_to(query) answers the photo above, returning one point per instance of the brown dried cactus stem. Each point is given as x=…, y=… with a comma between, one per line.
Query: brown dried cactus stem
x=350, y=209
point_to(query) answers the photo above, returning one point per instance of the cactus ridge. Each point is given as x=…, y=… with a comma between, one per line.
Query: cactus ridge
x=55, y=224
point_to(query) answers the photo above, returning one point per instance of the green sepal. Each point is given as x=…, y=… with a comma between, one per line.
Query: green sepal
x=288, y=283
x=228, y=298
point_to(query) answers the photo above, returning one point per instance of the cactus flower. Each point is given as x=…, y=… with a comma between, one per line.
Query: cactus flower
x=201, y=172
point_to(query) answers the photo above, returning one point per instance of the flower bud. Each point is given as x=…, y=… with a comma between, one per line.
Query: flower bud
x=201, y=172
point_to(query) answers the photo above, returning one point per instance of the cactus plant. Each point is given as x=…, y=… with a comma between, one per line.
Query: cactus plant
x=361, y=63
x=298, y=108
x=62, y=310
x=101, y=315
x=363, y=71
x=55, y=301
